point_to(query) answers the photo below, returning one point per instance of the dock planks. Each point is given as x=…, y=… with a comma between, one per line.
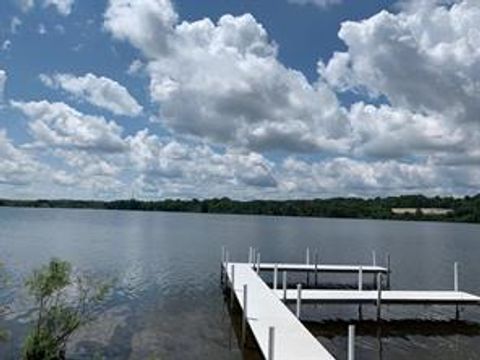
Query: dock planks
x=323, y=268
x=387, y=297
x=264, y=309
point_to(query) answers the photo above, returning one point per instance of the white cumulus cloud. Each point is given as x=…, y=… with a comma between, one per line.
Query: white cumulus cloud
x=59, y=125
x=223, y=81
x=97, y=90
x=16, y=166
x=424, y=59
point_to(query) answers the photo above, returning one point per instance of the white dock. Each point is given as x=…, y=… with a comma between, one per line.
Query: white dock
x=386, y=297
x=323, y=268
x=279, y=333
x=264, y=310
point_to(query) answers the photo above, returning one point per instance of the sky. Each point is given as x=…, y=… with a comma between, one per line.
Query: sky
x=271, y=99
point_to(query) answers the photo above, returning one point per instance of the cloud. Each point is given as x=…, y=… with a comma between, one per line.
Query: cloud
x=425, y=60
x=195, y=166
x=223, y=82
x=387, y=132
x=16, y=166
x=26, y=5
x=15, y=24
x=348, y=177
x=99, y=91
x=228, y=103
x=135, y=67
x=3, y=81
x=64, y=7
x=144, y=23
x=6, y=45
x=42, y=30
x=59, y=125
x=320, y=3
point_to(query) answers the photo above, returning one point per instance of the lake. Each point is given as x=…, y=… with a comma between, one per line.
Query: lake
x=167, y=302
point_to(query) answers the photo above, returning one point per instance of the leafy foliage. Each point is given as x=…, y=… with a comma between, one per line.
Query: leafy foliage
x=465, y=209
x=64, y=303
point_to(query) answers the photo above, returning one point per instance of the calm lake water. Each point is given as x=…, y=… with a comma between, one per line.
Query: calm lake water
x=167, y=303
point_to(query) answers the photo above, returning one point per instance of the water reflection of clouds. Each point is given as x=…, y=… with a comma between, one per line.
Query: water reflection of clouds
x=167, y=270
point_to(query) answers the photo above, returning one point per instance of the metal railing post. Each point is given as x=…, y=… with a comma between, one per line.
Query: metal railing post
x=299, y=300
x=258, y=263
x=455, y=276
x=360, y=278
x=275, y=277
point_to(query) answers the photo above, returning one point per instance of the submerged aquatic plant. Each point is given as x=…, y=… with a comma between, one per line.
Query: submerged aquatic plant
x=64, y=303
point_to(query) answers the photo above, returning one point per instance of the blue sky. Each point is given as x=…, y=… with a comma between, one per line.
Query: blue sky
x=248, y=99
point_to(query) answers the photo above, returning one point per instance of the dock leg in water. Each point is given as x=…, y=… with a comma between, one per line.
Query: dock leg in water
x=232, y=287
x=379, y=296
x=244, y=316
x=222, y=263
x=388, y=271
x=299, y=300
x=271, y=343
x=351, y=342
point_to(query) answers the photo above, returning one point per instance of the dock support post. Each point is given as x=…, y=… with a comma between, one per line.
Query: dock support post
x=299, y=300
x=360, y=288
x=227, y=260
x=258, y=263
x=275, y=277
x=455, y=276
x=351, y=342
x=232, y=286
x=245, y=314
x=455, y=287
x=284, y=281
x=316, y=267
x=271, y=343
x=307, y=262
x=222, y=264
x=379, y=296
x=388, y=271
x=360, y=278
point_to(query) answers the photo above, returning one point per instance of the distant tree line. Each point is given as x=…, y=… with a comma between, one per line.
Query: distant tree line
x=466, y=209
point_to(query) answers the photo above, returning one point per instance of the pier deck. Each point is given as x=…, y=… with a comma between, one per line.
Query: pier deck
x=264, y=309
x=387, y=297
x=323, y=268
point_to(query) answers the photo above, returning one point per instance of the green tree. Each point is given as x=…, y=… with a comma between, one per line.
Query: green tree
x=64, y=303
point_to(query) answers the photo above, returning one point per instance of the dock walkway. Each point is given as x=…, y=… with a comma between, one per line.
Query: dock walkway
x=323, y=268
x=386, y=296
x=264, y=310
